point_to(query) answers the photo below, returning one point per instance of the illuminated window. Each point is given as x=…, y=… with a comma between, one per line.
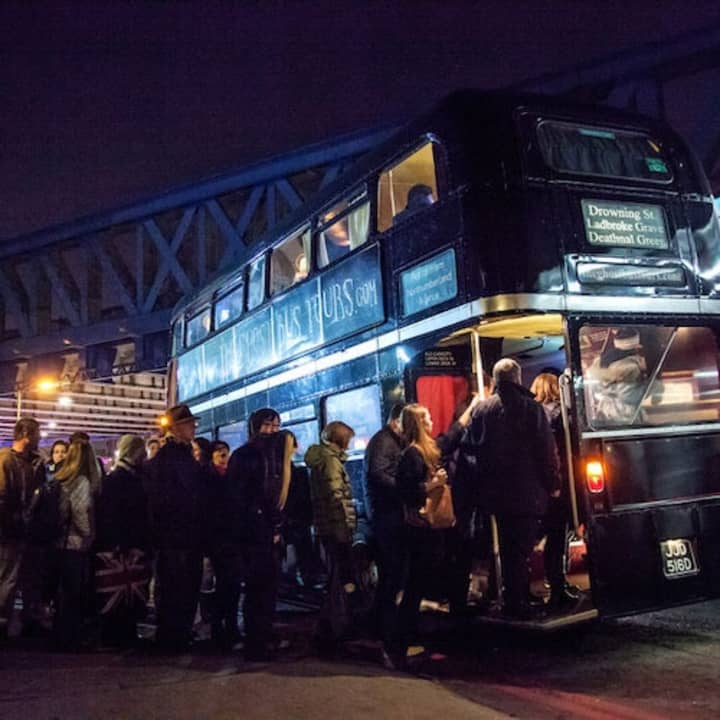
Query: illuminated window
x=306, y=434
x=360, y=409
x=256, y=282
x=343, y=228
x=649, y=375
x=407, y=187
x=290, y=262
x=235, y=434
x=198, y=327
x=229, y=307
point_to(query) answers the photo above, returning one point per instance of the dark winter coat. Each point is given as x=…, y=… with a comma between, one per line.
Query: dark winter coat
x=177, y=489
x=517, y=458
x=123, y=513
x=334, y=513
x=245, y=501
x=382, y=456
x=20, y=476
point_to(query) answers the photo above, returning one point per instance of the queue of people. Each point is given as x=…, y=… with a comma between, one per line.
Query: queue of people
x=186, y=514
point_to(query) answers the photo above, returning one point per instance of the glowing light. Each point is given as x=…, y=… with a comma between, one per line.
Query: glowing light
x=163, y=421
x=52, y=424
x=65, y=401
x=595, y=476
x=47, y=385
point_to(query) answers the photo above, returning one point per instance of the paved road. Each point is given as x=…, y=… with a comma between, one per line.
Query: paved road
x=646, y=668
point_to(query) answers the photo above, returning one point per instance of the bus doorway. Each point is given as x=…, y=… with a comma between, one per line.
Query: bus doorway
x=444, y=377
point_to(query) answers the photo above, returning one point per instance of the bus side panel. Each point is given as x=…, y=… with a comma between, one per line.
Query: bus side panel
x=626, y=565
x=709, y=549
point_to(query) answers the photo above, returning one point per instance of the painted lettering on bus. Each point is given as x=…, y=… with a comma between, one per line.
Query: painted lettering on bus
x=343, y=300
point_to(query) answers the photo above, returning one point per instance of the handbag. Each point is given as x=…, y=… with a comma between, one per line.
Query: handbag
x=437, y=513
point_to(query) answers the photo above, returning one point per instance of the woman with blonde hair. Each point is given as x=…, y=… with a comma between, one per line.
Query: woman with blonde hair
x=71, y=555
x=335, y=519
x=546, y=389
x=420, y=472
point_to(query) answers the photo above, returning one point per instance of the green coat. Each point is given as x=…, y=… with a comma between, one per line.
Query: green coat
x=333, y=509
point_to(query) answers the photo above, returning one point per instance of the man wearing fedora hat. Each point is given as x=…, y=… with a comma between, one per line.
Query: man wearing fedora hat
x=177, y=489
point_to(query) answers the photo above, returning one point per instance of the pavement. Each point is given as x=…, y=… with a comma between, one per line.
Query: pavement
x=36, y=684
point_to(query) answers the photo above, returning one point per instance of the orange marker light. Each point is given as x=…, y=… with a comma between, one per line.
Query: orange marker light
x=595, y=476
x=163, y=421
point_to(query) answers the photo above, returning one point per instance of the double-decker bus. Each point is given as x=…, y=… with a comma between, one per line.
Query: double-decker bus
x=500, y=226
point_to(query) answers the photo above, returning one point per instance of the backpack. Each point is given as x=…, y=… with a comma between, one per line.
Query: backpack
x=45, y=521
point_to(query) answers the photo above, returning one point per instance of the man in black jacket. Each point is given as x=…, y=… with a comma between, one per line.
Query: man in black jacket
x=518, y=461
x=247, y=518
x=177, y=487
x=21, y=473
x=385, y=510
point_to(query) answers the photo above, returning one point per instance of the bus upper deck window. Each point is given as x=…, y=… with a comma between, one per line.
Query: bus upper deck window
x=229, y=307
x=604, y=152
x=197, y=327
x=407, y=186
x=290, y=262
x=256, y=282
x=338, y=238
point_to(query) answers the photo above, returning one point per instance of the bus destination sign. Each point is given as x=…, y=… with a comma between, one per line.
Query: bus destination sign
x=631, y=225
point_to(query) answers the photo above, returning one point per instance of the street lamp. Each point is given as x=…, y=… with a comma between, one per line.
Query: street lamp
x=43, y=385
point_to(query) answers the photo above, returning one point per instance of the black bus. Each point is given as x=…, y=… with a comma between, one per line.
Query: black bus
x=500, y=226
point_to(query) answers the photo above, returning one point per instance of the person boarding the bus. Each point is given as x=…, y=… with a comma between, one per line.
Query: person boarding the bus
x=517, y=454
x=620, y=372
x=546, y=389
x=21, y=473
x=177, y=487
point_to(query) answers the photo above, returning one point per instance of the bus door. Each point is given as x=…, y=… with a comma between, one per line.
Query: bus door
x=647, y=460
x=442, y=379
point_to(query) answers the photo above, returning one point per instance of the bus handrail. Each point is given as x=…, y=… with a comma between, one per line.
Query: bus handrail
x=564, y=395
x=656, y=372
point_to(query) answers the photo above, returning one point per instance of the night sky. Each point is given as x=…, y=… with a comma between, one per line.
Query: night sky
x=104, y=104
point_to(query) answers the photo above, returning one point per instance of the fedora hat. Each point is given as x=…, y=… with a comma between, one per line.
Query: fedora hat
x=179, y=414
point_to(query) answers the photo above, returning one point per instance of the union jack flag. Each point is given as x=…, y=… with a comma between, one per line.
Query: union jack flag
x=121, y=579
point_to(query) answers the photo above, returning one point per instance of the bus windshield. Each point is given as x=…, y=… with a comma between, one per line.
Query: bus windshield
x=649, y=375
x=576, y=149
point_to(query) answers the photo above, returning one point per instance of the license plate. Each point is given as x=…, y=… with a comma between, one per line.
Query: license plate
x=678, y=558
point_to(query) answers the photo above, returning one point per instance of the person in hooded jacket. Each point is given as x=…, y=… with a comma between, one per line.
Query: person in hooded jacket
x=335, y=521
x=519, y=463
x=123, y=527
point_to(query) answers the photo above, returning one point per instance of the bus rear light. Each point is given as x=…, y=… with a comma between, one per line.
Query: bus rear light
x=595, y=476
